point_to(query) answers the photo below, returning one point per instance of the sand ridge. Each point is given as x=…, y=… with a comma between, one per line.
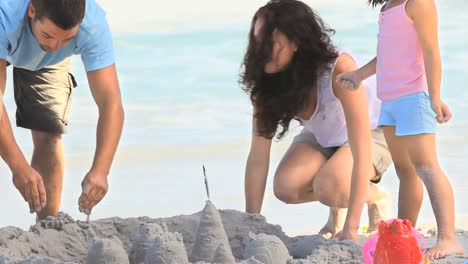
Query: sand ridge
x=61, y=239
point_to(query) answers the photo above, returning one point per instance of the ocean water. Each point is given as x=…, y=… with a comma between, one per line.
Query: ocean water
x=184, y=109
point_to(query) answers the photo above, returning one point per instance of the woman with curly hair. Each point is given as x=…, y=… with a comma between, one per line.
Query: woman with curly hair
x=289, y=71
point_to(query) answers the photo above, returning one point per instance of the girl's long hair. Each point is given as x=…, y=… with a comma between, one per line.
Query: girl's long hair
x=279, y=97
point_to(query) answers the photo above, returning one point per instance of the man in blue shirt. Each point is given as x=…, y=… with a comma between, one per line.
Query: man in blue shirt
x=37, y=37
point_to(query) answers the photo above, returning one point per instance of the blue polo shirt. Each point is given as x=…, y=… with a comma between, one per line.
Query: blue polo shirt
x=19, y=47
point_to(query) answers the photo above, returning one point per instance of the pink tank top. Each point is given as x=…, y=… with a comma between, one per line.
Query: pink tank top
x=400, y=61
x=328, y=122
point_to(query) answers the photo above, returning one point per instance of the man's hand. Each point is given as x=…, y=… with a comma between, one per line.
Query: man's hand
x=29, y=183
x=94, y=187
x=443, y=113
x=349, y=80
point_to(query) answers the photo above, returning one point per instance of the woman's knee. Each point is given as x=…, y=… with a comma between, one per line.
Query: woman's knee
x=285, y=191
x=330, y=192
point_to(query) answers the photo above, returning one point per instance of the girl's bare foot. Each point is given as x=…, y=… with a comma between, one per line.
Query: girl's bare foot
x=443, y=248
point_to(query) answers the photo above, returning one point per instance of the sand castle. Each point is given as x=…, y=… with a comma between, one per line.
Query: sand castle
x=205, y=237
x=267, y=249
x=209, y=236
x=107, y=250
x=167, y=248
x=223, y=254
x=144, y=239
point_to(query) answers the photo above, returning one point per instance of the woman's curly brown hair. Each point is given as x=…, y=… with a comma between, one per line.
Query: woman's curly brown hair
x=375, y=3
x=279, y=97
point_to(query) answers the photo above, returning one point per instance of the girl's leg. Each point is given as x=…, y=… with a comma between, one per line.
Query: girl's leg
x=423, y=154
x=410, y=195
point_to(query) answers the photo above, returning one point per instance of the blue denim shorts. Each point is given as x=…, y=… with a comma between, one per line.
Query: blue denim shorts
x=411, y=115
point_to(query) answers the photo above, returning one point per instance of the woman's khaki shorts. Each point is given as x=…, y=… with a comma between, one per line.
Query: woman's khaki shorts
x=43, y=97
x=381, y=157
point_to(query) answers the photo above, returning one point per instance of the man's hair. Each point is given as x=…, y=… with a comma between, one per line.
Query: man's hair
x=66, y=14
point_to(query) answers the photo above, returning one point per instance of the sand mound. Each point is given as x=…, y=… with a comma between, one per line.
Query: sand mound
x=62, y=240
x=210, y=234
x=267, y=249
x=250, y=261
x=223, y=255
x=167, y=248
x=107, y=251
x=144, y=238
x=31, y=260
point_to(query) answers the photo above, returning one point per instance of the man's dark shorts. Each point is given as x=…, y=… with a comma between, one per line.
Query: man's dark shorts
x=43, y=98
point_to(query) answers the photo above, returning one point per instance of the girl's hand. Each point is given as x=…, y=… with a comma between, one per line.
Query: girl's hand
x=441, y=110
x=349, y=80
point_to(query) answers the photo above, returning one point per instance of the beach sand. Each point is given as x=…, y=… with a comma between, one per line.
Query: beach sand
x=209, y=236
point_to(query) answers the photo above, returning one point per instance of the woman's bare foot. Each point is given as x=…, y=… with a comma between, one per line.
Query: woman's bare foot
x=443, y=248
x=378, y=210
x=335, y=222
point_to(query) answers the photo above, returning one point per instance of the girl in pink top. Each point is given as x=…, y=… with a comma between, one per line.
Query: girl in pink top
x=408, y=69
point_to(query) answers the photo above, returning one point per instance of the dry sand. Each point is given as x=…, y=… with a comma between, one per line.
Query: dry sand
x=200, y=237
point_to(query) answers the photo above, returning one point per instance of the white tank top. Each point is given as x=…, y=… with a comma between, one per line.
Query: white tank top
x=328, y=123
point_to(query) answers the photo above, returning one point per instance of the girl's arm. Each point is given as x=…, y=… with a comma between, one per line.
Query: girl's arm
x=256, y=170
x=367, y=70
x=424, y=15
x=356, y=112
x=353, y=79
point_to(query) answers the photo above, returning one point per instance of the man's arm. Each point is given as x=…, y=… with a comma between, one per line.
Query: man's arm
x=28, y=182
x=106, y=93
